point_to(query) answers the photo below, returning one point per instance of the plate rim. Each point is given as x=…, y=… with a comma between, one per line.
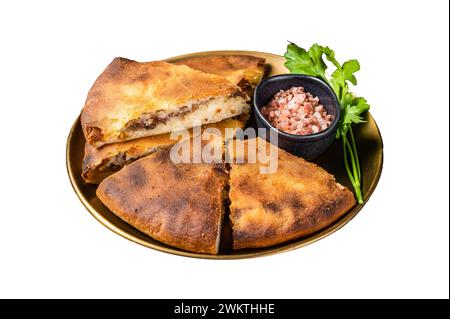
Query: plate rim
x=302, y=242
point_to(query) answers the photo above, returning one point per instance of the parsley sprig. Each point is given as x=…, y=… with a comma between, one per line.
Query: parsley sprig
x=311, y=62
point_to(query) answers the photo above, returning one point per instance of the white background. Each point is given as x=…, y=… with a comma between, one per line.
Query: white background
x=50, y=54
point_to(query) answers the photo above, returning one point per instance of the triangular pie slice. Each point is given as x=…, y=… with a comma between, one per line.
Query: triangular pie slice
x=245, y=71
x=99, y=163
x=180, y=205
x=297, y=200
x=131, y=100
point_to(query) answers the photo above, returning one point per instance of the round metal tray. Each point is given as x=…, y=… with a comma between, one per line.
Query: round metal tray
x=370, y=149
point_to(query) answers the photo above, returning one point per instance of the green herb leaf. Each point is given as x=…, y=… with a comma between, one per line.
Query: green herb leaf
x=315, y=53
x=348, y=68
x=353, y=112
x=298, y=60
x=340, y=76
x=329, y=54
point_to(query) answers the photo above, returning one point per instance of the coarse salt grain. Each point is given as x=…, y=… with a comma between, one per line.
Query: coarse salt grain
x=298, y=112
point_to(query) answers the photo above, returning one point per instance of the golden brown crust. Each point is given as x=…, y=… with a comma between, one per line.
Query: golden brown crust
x=246, y=71
x=298, y=200
x=128, y=89
x=180, y=205
x=95, y=163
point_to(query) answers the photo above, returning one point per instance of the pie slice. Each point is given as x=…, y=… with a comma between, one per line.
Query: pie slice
x=245, y=71
x=131, y=100
x=297, y=200
x=99, y=163
x=180, y=205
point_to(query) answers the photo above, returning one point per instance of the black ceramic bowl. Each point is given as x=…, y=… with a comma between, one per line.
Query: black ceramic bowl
x=306, y=146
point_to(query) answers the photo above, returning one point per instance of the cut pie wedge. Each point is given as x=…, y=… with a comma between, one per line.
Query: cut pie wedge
x=245, y=71
x=131, y=100
x=297, y=200
x=180, y=205
x=99, y=163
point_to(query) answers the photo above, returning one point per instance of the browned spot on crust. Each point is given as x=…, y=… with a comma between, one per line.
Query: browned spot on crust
x=163, y=155
x=271, y=207
x=142, y=77
x=112, y=189
x=116, y=69
x=329, y=207
x=176, y=172
x=137, y=175
x=294, y=203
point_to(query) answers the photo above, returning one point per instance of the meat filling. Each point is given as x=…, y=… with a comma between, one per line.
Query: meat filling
x=115, y=163
x=152, y=119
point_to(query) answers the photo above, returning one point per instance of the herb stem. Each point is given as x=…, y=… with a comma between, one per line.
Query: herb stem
x=359, y=195
x=352, y=138
x=352, y=158
x=347, y=167
x=353, y=171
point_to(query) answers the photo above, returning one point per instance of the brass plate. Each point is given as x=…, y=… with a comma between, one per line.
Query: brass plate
x=370, y=148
